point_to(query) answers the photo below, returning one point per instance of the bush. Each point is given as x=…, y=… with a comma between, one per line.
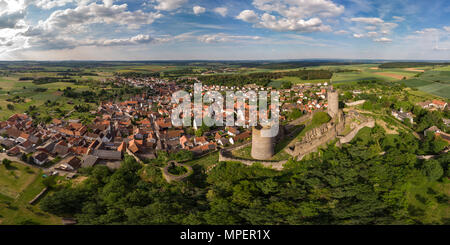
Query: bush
x=6, y=163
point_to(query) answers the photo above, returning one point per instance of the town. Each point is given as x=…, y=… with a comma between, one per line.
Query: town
x=140, y=127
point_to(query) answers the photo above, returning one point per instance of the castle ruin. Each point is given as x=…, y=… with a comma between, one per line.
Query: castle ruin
x=333, y=103
x=262, y=147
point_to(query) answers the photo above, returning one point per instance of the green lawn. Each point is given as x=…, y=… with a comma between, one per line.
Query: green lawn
x=206, y=161
x=16, y=191
x=15, y=179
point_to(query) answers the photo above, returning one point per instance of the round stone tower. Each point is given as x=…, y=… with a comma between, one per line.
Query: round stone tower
x=262, y=147
x=333, y=103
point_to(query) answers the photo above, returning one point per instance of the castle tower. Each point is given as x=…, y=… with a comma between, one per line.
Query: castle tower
x=333, y=103
x=262, y=147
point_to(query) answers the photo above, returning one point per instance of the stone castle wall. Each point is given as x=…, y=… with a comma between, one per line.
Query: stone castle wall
x=349, y=137
x=224, y=156
x=317, y=137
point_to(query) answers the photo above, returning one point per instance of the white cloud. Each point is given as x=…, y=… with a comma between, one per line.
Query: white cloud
x=383, y=40
x=139, y=39
x=447, y=28
x=341, y=32
x=169, y=5
x=221, y=37
x=292, y=15
x=11, y=13
x=367, y=20
x=221, y=10
x=49, y=4
x=300, y=9
x=398, y=18
x=248, y=16
x=67, y=28
x=372, y=34
x=298, y=25
x=358, y=35
x=370, y=28
x=198, y=10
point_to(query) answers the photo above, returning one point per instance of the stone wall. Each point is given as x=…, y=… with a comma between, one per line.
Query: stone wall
x=224, y=156
x=349, y=137
x=170, y=177
x=317, y=137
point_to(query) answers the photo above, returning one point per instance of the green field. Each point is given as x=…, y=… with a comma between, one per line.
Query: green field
x=435, y=82
x=18, y=185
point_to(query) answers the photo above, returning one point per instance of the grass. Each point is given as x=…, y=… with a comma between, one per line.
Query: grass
x=245, y=153
x=14, y=180
x=17, y=192
x=206, y=161
x=436, y=82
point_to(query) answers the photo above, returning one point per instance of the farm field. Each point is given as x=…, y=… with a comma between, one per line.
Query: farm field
x=436, y=82
x=18, y=185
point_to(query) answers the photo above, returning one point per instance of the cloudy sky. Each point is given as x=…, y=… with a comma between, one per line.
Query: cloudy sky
x=223, y=29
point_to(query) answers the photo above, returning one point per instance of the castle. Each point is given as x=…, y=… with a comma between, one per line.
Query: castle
x=263, y=148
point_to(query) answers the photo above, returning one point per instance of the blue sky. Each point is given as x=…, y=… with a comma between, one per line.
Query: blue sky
x=223, y=29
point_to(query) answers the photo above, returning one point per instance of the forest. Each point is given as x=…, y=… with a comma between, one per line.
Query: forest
x=408, y=64
x=263, y=78
x=372, y=180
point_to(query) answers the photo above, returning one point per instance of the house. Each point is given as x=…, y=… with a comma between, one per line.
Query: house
x=26, y=146
x=13, y=151
x=6, y=143
x=402, y=116
x=40, y=158
x=242, y=137
x=201, y=149
x=89, y=161
x=200, y=140
x=439, y=104
x=61, y=149
x=70, y=163
x=133, y=146
x=108, y=155
x=47, y=147
x=232, y=131
x=224, y=141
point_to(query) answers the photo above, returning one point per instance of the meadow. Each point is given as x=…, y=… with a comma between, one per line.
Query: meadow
x=18, y=185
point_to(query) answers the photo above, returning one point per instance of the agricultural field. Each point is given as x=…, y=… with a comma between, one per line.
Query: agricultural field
x=436, y=82
x=18, y=185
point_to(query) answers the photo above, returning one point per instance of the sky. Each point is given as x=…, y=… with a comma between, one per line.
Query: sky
x=224, y=29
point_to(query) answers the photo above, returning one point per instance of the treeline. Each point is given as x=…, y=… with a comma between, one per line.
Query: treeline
x=72, y=74
x=365, y=182
x=263, y=78
x=409, y=64
x=137, y=74
x=46, y=80
x=296, y=64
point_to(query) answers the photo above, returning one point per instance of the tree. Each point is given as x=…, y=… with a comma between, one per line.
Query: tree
x=432, y=169
x=6, y=162
x=50, y=181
